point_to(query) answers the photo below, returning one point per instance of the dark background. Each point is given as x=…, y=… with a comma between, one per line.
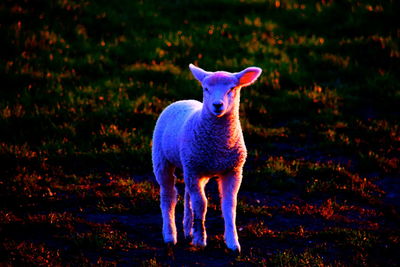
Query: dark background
x=83, y=82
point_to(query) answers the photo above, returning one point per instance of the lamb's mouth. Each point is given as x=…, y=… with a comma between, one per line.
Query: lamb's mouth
x=218, y=113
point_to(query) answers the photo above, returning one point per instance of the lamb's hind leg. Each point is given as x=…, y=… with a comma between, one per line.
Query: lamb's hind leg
x=229, y=186
x=168, y=198
x=187, y=216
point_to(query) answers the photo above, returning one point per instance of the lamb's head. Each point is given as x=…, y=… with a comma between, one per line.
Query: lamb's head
x=221, y=89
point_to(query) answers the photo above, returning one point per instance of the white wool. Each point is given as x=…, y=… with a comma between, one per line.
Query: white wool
x=204, y=140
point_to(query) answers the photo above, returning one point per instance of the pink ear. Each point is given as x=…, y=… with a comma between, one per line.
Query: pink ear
x=248, y=76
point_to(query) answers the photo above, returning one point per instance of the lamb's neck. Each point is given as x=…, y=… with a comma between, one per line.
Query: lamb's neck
x=220, y=131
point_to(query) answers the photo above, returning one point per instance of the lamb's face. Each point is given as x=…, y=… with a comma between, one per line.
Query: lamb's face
x=220, y=91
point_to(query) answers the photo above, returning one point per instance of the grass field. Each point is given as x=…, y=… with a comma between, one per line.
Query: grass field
x=83, y=82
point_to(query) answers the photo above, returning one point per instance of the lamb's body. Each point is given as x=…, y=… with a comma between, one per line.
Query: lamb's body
x=204, y=140
x=209, y=145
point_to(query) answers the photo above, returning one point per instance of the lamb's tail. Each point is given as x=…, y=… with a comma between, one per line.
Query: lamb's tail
x=187, y=216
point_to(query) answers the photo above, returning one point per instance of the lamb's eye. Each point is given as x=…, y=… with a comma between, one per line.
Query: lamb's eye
x=206, y=89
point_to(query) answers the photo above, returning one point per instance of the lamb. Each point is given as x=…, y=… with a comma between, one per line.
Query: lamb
x=205, y=140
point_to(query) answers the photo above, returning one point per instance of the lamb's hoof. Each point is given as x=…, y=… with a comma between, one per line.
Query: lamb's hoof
x=234, y=249
x=170, y=239
x=199, y=243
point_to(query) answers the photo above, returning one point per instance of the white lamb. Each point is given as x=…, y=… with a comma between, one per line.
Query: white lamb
x=204, y=140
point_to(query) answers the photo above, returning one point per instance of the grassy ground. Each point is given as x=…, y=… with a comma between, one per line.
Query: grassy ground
x=84, y=81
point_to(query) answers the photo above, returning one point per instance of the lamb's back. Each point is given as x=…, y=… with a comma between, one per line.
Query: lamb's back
x=169, y=126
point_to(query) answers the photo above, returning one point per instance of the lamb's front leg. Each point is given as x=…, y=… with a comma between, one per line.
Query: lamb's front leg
x=199, y=206
x=229, y=187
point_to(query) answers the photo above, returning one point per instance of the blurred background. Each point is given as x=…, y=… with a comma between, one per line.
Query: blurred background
x=83, y=82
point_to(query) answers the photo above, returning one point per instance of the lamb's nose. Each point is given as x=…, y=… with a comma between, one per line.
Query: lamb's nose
x=217, y=105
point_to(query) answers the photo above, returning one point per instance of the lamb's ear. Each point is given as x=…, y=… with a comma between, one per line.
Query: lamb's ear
x=248, y=76
x=198, y=73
